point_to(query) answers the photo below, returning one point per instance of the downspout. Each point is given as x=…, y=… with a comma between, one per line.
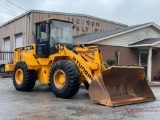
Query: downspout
x=25, y=42
x=27, y=29
x=29, y=37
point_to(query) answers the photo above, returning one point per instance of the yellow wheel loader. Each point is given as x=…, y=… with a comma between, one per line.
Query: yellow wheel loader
x=54, y=60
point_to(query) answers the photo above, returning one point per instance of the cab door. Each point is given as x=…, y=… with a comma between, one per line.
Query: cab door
x=42, y=40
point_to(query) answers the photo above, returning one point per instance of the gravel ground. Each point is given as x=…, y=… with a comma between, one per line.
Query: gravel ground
x=41, y=104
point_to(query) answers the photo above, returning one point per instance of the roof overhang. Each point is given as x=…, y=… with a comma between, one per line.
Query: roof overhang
x=121, y=33
x=60, y=13
x=48, y=19
x=145, y=45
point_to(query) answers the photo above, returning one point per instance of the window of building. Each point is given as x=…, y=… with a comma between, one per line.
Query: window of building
x=6, y=44
x=117, y=57
x=18, y=40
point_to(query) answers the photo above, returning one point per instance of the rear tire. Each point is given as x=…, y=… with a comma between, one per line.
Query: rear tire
x=64, y=79
x=23, y=79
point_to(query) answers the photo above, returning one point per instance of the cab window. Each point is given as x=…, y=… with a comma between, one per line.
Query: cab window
x=42, y=32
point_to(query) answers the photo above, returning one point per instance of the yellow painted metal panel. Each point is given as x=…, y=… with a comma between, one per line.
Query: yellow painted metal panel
x=43, y=74
x=9, y=67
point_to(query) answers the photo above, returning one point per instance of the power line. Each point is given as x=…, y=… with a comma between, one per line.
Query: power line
x=16, y=5
x=7, y=13
x=11, y=7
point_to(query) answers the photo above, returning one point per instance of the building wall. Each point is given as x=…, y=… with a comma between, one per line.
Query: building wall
x=156, y=64
x=127, y=57
x=11, y=29
x=131, y=37
x=25, y=25
x=82, y=24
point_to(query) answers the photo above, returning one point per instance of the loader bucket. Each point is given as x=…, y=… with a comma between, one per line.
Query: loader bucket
x=120, y=86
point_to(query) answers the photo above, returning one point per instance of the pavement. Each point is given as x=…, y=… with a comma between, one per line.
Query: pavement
x=41, y=104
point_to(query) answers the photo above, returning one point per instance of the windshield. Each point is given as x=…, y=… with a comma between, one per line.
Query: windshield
x=61, y=32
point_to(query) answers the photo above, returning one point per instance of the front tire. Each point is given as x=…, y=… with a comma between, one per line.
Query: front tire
x=64, y=79
x=23, y=79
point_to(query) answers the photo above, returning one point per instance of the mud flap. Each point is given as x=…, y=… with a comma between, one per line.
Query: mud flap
x=120, y=86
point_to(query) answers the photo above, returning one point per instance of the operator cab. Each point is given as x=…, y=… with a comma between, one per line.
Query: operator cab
x=51, y=32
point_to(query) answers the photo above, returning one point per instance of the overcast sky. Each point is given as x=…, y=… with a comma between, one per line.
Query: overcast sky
x=130, y=12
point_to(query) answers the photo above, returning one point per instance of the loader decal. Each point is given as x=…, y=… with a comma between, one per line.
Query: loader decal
x=82, y=68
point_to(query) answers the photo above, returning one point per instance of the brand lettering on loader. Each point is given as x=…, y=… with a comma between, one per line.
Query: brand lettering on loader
x=82, y=68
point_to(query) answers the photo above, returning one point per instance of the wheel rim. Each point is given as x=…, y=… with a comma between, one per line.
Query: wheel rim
x=19, y=76
x=59, y=79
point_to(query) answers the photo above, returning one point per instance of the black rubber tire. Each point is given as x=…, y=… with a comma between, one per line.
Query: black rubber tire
x=29, y=77
x=72, y=83
x=2, y=68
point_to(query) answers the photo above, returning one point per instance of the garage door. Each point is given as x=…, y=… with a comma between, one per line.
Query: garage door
x=18, y=40
x=6, y=45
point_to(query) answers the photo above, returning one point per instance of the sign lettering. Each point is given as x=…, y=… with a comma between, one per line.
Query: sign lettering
x=85, y=25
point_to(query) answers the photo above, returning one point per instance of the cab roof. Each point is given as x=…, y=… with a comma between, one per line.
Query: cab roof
x=48, y=19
